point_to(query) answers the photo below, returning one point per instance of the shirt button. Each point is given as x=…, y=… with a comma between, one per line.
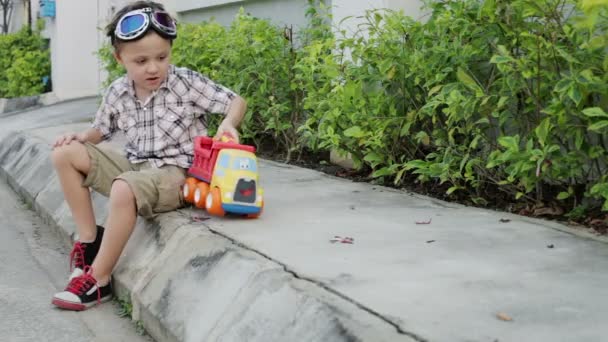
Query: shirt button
x=145, y=108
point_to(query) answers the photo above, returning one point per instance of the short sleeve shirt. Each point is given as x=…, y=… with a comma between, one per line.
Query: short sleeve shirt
x=162, y=130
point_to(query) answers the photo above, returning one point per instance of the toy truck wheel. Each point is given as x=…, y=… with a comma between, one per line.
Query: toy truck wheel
x=214, y=202
x=256, y=215
x=200, y=194
x=189, y=188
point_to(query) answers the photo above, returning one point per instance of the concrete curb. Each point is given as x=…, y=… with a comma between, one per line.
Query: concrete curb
x=11, y=105
x=189, y=283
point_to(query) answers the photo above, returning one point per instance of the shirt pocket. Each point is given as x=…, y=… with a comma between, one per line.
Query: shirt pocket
x=173, y=123
x=128, y=125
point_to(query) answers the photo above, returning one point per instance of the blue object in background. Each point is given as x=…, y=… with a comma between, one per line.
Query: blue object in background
x=47, y=8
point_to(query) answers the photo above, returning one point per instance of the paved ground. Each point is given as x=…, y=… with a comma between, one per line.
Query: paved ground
x=443, y=281
x=33, y=267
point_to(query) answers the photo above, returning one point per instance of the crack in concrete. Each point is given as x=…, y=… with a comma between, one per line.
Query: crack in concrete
x=397, y=327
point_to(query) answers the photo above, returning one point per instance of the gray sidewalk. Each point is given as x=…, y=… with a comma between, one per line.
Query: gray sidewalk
x=279, y=278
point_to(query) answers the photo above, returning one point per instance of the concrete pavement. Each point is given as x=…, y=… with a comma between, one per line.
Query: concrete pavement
x=280, y=278
x=33, y=265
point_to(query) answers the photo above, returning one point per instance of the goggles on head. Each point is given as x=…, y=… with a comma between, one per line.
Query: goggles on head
x=134, y=24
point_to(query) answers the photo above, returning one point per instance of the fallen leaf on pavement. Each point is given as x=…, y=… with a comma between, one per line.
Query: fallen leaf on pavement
x=430, y=241
x=346, y=240
x=199, y=218
x=502, y=220
x=551, y=246
x=504, y=317
x=548, y=211
x=424, y=222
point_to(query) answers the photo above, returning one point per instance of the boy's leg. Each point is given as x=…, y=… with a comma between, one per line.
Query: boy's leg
x=72, y=163
x=120, y=223
x=144, y=192
x=80, y=166
x=94, y=285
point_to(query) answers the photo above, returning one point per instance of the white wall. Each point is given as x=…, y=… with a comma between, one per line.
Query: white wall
x=342, y=9
x=290, y=12
x=73, y=35
x=280, y=12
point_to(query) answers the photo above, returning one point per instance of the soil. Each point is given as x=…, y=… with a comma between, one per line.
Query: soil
x=595, y=222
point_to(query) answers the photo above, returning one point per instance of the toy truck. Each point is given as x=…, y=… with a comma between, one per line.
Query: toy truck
x=224, y=178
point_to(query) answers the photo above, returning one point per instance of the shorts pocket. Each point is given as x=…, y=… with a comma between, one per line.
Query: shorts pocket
x=170, y=195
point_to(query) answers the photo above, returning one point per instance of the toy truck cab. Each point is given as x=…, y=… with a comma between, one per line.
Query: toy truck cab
x=224, y=178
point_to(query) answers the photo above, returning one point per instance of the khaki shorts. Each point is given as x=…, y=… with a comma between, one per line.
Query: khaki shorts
x=156, y=190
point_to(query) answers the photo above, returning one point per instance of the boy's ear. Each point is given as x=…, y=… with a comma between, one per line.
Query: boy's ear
x=117, y=56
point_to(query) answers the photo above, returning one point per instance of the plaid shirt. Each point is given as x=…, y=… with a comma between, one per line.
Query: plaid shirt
x=161, y=130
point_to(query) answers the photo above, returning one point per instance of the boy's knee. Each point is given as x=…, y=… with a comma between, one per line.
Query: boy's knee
x=61, y=155
x=121, y=193
x=74, y=153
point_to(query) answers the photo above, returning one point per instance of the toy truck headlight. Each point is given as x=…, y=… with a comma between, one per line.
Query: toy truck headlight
x=228, y=194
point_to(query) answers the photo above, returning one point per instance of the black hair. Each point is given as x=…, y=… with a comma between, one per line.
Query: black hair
x=128, y=8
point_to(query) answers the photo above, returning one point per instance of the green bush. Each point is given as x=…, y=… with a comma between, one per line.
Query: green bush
x=25, y=60
x=484, y=97
x=254, y=59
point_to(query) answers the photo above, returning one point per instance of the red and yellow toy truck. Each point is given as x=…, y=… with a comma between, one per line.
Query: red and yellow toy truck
x=224, y=178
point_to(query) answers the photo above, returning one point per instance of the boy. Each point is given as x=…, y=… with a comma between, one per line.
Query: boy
x=160, y=109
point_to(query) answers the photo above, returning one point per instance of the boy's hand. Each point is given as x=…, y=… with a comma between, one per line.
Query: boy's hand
x=226, y=127
x=67, y=138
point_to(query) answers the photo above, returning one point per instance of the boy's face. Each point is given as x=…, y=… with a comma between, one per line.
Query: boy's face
x=146, y=61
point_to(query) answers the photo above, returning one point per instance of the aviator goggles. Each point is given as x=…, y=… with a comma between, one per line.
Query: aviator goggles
x=134, y=24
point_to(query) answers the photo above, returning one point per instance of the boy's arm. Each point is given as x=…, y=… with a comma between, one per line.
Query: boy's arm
x=212, y=97
x=92, y=135
x=233, y=119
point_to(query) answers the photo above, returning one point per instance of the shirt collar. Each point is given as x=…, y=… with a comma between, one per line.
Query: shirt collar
x=127, y=85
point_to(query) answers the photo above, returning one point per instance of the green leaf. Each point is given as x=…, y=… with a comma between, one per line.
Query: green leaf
x=452, y=189
x=563, y=85
x=434, y=90
x=488, y=9
x=511, y=143
x=599, y=126
x=501, y=102
x=475, y=142
x=575, y=94
x=354, y=132
x=416, y=164
x=385, y=171
x=399, y=176
x=468, y=81
x=542, y=131
x=500, y=59
x=563, y=195
x=482, y=121
x=579, y=140
x=422, y=137
x=373, y=158
x=405, y=130
x=594, y=112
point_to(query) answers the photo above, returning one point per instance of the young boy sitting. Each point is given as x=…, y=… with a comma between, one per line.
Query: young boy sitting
x=160, y=109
